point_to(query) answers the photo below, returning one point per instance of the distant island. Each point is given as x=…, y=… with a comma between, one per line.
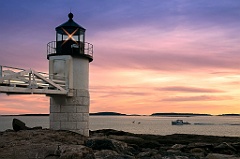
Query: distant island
x=121, y=114
x=27, y=115
x=229, y=115
x=179, y=114
x=108, y=113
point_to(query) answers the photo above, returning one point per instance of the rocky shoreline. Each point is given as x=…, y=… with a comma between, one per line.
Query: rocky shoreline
x=113, y=144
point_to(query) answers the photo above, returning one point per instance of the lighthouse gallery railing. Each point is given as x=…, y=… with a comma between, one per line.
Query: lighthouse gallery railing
x=51, y=48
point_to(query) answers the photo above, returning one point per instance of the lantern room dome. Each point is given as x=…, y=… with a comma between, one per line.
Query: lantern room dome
x=70, y=24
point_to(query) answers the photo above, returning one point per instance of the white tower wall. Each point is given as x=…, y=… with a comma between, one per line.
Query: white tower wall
x=70, y=112
x=81, y=73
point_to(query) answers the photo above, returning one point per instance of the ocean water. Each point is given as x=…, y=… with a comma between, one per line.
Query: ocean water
x=207, y=125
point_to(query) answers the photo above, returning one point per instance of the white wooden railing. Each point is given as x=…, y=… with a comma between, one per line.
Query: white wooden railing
x=25, y=81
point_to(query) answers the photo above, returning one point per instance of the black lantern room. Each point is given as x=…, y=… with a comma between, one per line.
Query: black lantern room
x=70, y=40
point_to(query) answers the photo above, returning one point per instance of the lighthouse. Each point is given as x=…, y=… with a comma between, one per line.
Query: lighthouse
x=67, y=83
x=69, y=57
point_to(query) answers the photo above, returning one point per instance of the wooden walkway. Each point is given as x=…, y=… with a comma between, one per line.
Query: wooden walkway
x=21, y=81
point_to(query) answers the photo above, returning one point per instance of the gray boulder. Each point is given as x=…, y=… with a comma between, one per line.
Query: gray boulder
x=20, y=125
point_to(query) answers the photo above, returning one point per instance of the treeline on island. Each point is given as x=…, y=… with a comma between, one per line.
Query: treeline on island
x=229, y=115
x=179, y=114
x=121, y=114
x=154, y=114
x=108, y=113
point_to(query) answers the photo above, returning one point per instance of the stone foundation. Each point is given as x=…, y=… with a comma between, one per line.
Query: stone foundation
x=70, y=113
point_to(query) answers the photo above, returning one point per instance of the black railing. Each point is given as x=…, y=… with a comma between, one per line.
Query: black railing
x=52, y=50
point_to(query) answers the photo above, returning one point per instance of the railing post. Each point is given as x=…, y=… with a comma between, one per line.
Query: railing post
x=0, y=71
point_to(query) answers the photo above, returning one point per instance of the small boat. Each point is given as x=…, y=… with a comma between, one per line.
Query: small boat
x=180, y=122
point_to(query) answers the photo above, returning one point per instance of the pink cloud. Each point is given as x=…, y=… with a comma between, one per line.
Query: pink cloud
x=15, y=104
x=182, y=49
x=197, y=98
x=189, y=89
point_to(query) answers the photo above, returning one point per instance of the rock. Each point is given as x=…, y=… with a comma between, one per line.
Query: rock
x=106, y=144
x=43, y=151
x=109, y=154
x=75, y=152
x=176, y=157
x=200, y=145
x=204, y=147
x=35, y=128
x=104, y=154
x=182, y=157
x=110, y=144
x=100, y=144
x=48, y=144
x=20, y=125
x=146, y=154
x=157, y=156
x=29, y=150
x=132, y=141
x=176, y=149
x=178, y=146
x=172, y=151
x=236, y=146
x=138, y=141
x=220, y=156
x=198, y=152
x=225, y=148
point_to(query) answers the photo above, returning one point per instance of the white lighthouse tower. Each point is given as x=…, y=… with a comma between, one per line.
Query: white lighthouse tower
x=69, y=57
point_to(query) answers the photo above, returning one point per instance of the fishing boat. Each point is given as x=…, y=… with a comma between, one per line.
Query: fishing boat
x=180, y=122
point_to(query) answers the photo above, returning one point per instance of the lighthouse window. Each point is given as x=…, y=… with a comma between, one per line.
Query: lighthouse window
x=59, y=37
x=75, y=37
x=81, y=37
x=65, y=37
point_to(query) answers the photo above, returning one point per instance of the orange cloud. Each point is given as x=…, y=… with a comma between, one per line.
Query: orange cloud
x=16, y=104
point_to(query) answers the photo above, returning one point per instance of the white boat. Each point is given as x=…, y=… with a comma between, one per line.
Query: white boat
x=180, y=122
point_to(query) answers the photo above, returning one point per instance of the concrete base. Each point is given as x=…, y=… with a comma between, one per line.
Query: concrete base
x=70, y=113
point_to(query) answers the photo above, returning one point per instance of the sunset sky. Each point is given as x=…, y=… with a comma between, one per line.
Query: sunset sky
x=149, y=55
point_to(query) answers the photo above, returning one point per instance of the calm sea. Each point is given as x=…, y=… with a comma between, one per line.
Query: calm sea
x=210, y=125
